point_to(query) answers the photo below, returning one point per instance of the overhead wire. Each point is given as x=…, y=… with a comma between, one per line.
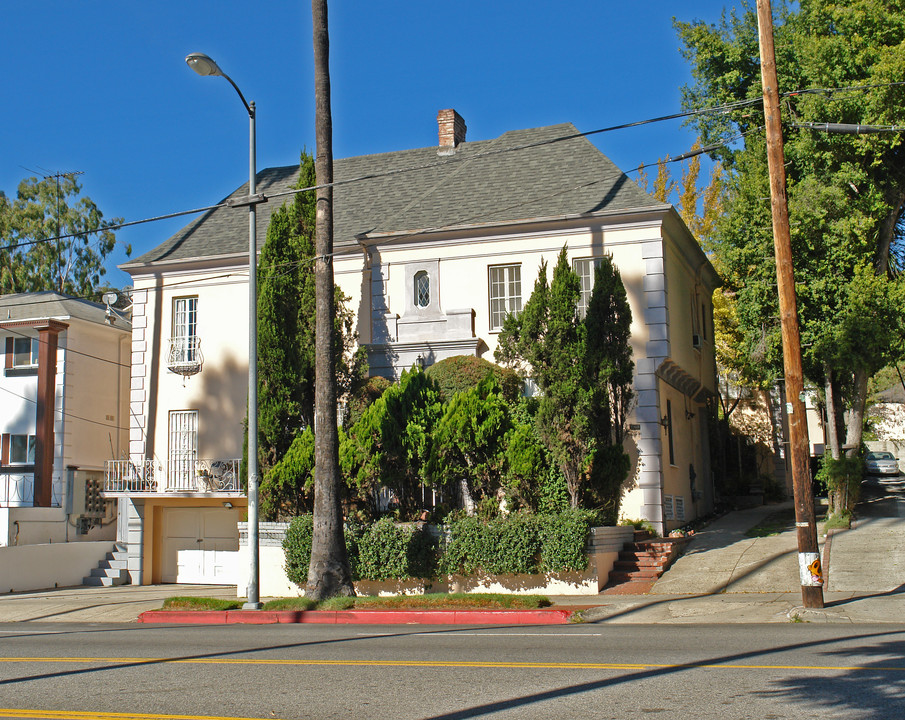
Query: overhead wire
x=723, y=109
x=684, y=156
x=69, y=350
x=64, y=413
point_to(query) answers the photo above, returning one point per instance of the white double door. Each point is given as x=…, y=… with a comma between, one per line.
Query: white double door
x=200, y=545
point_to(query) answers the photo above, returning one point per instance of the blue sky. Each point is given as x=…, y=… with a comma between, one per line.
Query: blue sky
x=101, y=87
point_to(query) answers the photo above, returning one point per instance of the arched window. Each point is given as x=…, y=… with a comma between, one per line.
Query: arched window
x=422, y=289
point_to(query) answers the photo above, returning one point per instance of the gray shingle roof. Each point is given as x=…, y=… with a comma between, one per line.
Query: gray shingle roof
x=522, y=175
x=47, y=304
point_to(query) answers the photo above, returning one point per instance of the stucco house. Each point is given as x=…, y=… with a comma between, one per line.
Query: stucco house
x=434, y=246
x=63, y=413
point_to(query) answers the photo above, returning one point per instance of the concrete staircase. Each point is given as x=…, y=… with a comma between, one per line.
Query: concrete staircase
x=111, y=570
x=641, y=563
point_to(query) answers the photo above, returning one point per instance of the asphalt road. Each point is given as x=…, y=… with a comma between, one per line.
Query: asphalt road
x=63, y=670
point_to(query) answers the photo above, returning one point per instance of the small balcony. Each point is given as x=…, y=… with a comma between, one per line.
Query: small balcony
x=184, y=355
x=18, y=490
x=199, y=476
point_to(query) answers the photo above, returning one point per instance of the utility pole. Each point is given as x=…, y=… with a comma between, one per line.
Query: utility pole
x=810, y=570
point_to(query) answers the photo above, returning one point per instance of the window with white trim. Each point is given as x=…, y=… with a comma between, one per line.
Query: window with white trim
x=505, y=293
x=25, y=352
x=185, y=329
x=668, y=513
x=21, y=449
x=422, y=289
x=585, y=268
x=679, y=504
x=183, y=448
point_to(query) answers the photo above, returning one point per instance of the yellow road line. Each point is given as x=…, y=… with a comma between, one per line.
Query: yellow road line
x=33, y=714
x=444, y=663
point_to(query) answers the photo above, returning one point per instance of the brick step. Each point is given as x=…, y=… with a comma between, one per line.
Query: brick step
x=628, y=565
x=643, y=556
x=619, y=576
x=656, y=546
x=641, y=563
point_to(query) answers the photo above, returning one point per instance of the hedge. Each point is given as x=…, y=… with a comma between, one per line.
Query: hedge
x=380, y=551
x=520, y=543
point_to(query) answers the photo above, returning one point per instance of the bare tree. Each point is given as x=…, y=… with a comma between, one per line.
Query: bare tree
x=328, y=574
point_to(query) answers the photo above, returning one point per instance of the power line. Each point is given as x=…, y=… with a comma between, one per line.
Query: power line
x=65, y=414
x=723, y=109
x=70, y=350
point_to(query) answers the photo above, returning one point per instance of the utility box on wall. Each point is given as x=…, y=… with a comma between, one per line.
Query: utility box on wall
x=84, y=498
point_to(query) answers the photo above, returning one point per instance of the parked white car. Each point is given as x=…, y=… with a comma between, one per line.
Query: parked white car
x=881, y=463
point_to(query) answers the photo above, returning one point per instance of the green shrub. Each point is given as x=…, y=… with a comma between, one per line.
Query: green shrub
x=382, y=551
x=364, y=396
x=464, y=372
x=552, y=492
x=465, y=548
x=387, y=551
x=297, y=548
x=520, y=543
x=842, y=480
x=514, y=544
x=565, y=539
x=639, y=525
x=287, y=488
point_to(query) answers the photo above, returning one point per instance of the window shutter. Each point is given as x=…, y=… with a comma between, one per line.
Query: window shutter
x=9, y=352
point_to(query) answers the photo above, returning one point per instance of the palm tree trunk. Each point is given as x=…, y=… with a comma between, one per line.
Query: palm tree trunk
x=328, y=574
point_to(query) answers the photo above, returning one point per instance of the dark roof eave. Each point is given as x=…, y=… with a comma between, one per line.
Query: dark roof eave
x=225, y=259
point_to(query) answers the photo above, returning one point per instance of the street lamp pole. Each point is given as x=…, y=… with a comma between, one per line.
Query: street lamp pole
x=203, y=65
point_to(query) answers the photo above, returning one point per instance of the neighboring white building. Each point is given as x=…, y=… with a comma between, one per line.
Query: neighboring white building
x=63, y=414
x=433, y=247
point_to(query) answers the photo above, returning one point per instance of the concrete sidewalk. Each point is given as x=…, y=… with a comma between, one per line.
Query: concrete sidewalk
x=723, y=577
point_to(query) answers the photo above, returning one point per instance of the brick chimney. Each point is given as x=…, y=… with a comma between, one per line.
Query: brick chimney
x=452, y=131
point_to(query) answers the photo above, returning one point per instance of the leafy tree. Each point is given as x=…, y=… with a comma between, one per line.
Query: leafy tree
x=583, y=368
x=286, y=328
x=390, y=444
x=846, y=192
x=463, y=372
x=287, y=487
x=364, y=396
x=32, y=260
x=468, y=442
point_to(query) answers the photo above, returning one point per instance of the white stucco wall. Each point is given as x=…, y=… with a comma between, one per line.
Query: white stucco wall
x=661, y=267
x=38, y=567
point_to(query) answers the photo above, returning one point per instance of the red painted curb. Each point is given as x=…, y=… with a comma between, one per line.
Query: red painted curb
x=359, y=617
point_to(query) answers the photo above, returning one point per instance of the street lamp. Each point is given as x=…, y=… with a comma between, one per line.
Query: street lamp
x=203, y=65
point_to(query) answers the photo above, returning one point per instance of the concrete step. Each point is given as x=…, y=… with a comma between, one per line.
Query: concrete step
x=104, y=581
x=109, y=562
x=112, y=570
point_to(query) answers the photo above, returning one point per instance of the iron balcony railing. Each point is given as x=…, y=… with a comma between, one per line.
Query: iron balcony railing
x=18, y=490
x=199, y=476
x=184, y=355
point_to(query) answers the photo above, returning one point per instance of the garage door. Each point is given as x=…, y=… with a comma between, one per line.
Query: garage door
x=200, y=545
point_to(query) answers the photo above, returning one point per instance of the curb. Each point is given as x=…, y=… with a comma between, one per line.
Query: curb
x=359, y=617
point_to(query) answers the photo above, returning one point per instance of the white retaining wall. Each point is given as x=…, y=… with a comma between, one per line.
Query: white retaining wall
x=40, y=567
